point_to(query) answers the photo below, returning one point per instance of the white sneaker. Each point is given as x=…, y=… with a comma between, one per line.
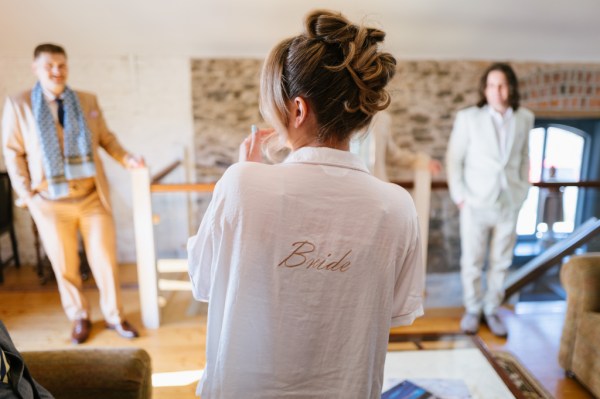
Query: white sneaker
x=470, y=323
x=496, y=326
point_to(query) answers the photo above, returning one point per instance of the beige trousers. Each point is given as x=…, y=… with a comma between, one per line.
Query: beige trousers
x=479, y=227
x=58, y=223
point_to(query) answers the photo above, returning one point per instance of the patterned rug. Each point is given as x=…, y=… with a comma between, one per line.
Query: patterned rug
x=520, y=376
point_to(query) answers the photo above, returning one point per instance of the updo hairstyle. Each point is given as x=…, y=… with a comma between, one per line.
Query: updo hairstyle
x=336, y=67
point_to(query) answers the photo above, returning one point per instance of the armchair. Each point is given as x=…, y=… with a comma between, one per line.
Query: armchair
x=579, y=351
x=116, y=373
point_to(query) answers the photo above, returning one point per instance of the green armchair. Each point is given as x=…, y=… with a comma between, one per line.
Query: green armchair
x=579, y=351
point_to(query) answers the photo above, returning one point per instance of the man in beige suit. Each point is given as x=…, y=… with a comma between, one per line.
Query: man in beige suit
x=51, y=136
x=488, y=176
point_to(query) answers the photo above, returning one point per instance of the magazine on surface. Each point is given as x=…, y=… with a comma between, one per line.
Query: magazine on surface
x=422, y=388
x=406, y=390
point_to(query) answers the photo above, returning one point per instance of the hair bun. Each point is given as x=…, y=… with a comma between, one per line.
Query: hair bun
x=369, y=68
x=329, y=27
x=333, y=28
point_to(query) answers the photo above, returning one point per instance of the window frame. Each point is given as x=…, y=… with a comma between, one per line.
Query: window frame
x=573, y=126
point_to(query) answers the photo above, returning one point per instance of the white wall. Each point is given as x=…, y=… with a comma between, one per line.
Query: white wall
x=424, y=29
x=147, y=103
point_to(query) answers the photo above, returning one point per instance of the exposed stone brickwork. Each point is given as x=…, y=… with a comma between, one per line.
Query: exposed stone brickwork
x=225, y=105
x=562, y=89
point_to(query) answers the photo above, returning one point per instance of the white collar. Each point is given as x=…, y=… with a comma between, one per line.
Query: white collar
x=327, y=156
x=498, y=116
x=49, y=96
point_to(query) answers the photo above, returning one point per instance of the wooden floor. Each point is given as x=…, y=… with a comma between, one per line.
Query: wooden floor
x=34, y=317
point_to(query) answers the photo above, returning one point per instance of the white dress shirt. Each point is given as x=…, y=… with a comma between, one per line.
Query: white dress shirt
x=502, y=126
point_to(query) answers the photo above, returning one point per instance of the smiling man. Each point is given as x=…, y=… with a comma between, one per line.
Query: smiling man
x=488, y=176
x=51, y=136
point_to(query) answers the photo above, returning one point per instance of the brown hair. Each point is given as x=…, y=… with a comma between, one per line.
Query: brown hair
x=513, y=84
x=336, y=67
x=48, y=48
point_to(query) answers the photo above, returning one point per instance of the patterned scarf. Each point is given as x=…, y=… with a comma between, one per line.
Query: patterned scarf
x=77, y=162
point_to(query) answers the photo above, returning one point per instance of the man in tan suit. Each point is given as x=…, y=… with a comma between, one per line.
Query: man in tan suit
x=488, y=176
x=51, y=136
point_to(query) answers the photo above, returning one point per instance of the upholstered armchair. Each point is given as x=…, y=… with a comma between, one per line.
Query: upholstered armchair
x=111, y=373
x=580, y=342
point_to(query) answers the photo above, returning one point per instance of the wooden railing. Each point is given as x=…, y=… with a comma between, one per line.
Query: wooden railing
x=166, y=171
x=158, y=187
x=182, y=187
x=538, y=266
x=148, y=265
x=580, y=184
x=443, y=185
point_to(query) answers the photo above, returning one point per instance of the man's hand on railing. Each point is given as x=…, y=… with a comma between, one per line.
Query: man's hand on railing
x=134, y=162
x=435, y=166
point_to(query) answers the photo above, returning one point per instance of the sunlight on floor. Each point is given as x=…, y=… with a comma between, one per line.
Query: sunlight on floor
x=540, y=307
x=176, y=378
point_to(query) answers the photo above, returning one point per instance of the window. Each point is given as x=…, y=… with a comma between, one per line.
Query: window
x=556, y=154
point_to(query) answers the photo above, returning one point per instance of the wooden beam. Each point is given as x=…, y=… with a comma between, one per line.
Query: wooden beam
x=163, y=173
x=183, y=187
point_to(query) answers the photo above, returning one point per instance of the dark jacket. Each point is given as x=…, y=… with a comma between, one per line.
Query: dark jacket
x=21, y=384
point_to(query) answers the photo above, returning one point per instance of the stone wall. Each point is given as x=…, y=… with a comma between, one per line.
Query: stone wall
x=225, y=105
x=569, y=90
x=425, y=98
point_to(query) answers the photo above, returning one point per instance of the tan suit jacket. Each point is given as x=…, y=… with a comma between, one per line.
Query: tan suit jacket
x=23, y=153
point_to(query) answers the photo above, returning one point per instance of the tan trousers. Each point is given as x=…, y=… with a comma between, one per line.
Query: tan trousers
x=58, y=223
x=478, y=227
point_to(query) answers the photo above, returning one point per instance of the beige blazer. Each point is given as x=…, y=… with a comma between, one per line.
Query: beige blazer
x=23, y=153
x=476, y=170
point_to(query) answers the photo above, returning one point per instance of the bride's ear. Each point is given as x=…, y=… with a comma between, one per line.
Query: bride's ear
x=300, y=111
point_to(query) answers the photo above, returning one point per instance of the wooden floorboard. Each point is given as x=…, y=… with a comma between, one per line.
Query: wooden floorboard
x=35, y=319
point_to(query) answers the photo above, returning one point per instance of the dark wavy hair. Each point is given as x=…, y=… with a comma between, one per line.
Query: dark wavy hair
x=514, y=97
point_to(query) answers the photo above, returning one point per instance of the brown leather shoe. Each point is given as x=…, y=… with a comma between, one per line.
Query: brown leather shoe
x=124, y=329
x=81, y=331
